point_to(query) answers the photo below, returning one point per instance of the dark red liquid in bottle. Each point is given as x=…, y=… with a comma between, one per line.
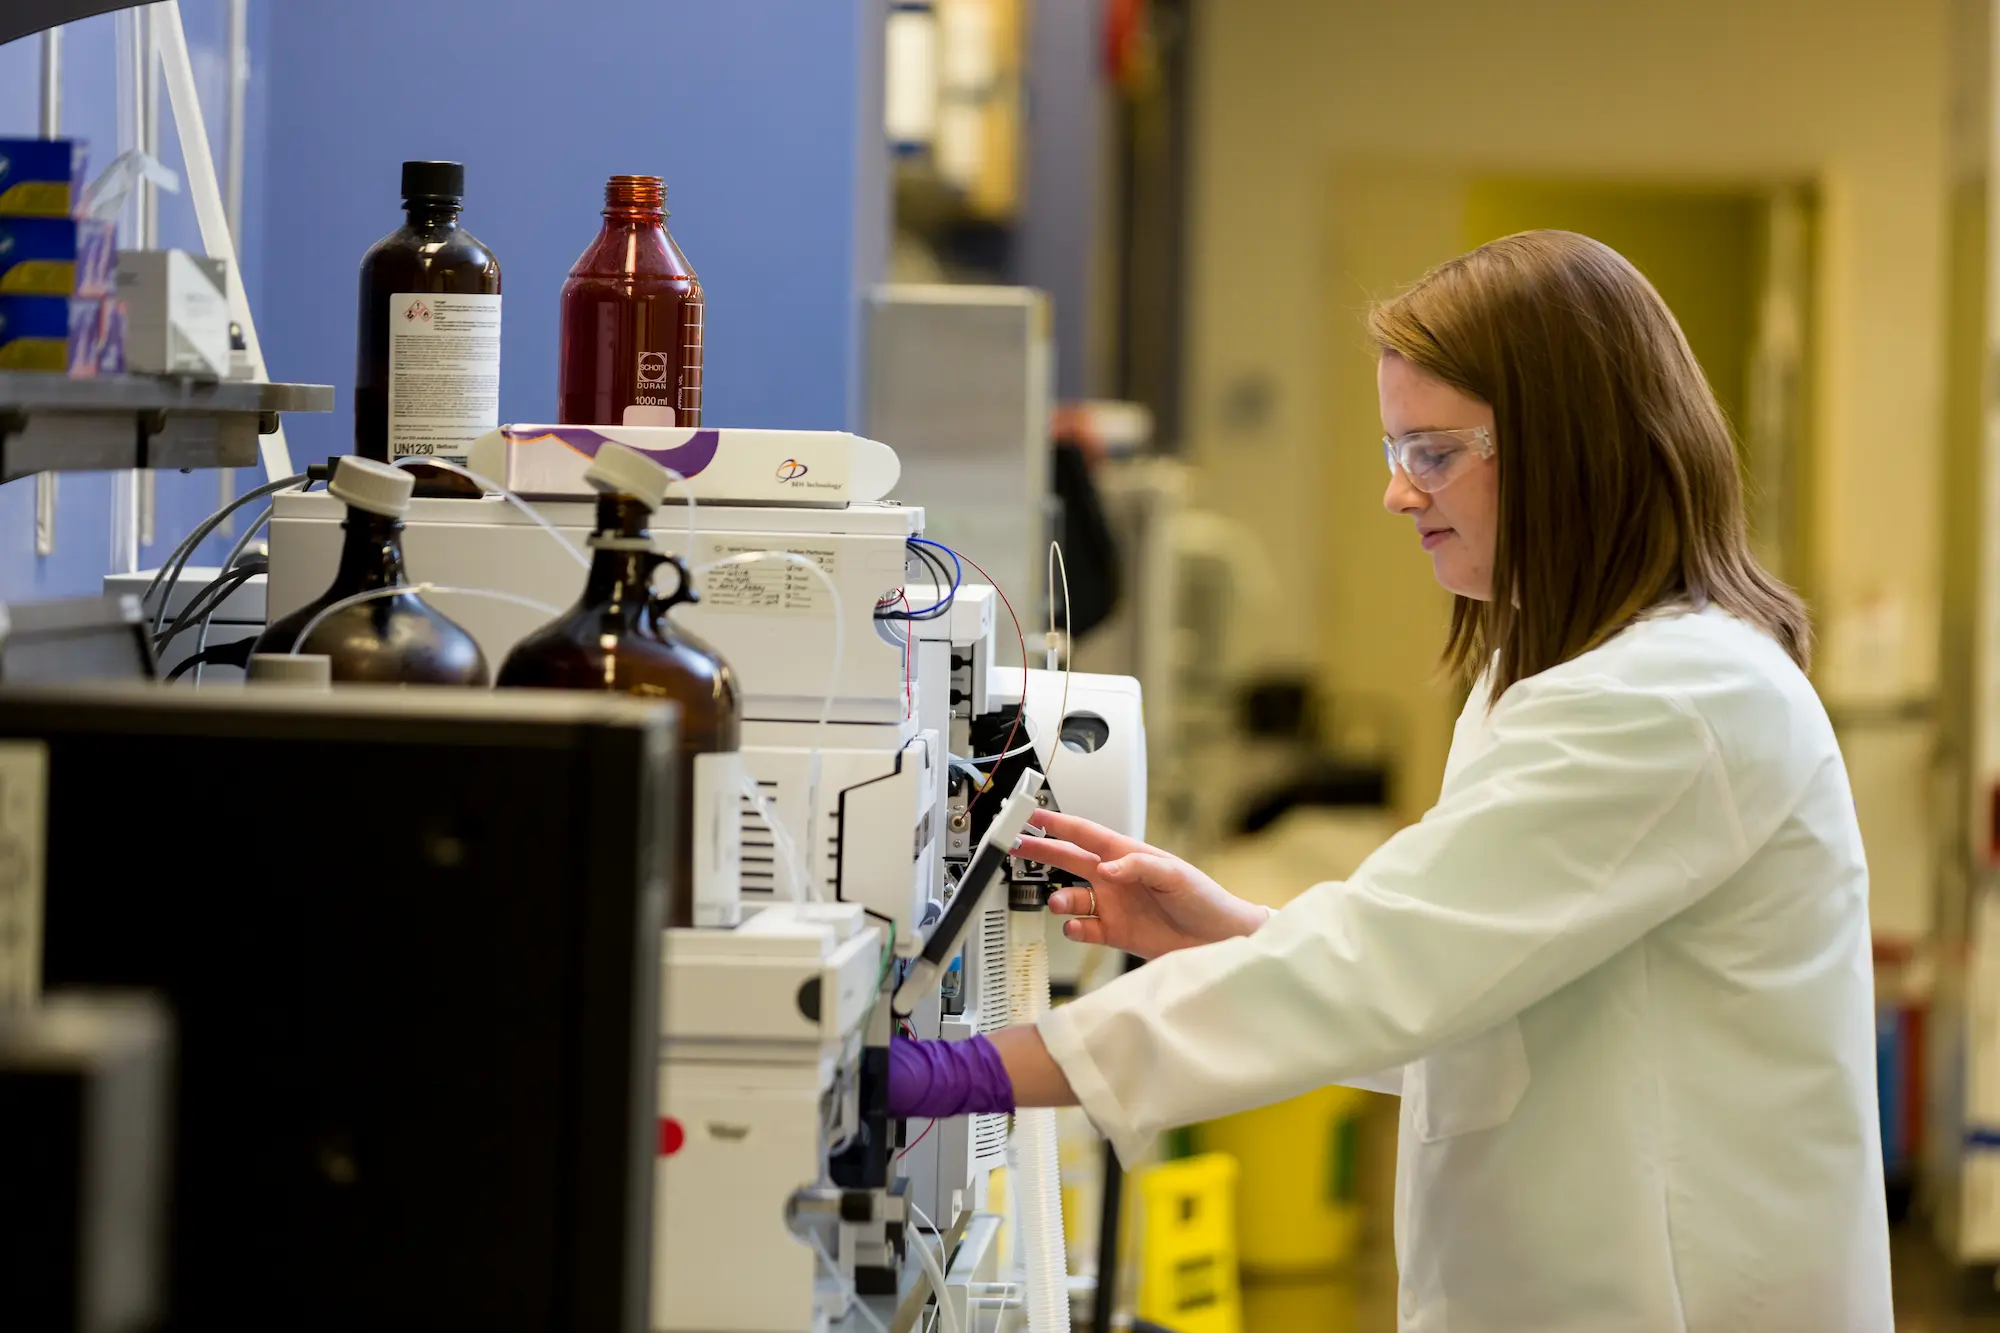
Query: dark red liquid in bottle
x=631, y=319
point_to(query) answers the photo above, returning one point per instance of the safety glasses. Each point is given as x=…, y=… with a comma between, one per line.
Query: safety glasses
x=1432, y=458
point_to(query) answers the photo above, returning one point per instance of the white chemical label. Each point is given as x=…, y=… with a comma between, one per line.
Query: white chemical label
x=24, y=795
x=764, y=585
x=444, y=373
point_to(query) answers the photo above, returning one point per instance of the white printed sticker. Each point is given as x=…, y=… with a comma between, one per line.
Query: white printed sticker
x=764, y=585
x=444, y=373
x=24, y=795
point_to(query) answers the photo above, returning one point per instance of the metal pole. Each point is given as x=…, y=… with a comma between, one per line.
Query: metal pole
x=205, y=192
x=51, y=127
x=237, y=40
x=149, y=194
x=132, y=226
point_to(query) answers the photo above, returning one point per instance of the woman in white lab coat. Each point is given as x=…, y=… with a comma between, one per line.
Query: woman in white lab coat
x=1620, y=973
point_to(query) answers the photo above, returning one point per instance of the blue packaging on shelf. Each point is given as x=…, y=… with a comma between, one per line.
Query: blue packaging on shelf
x=42, y=178
x=66, y=335
x=58, y=257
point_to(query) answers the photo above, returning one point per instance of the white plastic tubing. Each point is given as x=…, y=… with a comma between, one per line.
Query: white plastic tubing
x=1037, y=1182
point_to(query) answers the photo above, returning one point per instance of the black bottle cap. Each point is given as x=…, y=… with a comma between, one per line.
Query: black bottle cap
x=433, y=180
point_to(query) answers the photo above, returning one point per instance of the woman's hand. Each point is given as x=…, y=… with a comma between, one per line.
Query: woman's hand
x=1148, y=901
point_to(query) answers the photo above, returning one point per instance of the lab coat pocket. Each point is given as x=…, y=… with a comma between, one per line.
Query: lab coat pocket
x=1472, y=1086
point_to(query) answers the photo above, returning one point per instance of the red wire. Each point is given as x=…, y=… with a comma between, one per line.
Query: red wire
x=919, y=1139
x=1014, y=730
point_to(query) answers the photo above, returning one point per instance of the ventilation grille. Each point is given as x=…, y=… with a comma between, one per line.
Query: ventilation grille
x=763, y=878
x=992, y=945
x=989, y=1141
x=760, y=850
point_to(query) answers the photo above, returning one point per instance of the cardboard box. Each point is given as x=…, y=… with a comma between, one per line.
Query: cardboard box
x=176, y=313
x=58, y=257
x=62, y=334
x=42, y=177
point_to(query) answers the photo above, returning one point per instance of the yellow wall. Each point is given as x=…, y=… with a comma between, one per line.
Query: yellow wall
x=1699, y=248
x=1848, y=93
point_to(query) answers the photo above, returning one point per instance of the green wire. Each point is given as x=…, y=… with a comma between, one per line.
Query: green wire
x=888, y=958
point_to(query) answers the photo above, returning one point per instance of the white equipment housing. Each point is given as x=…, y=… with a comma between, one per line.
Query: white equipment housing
x=762, y=1024
x=1100, y=772
x=770, y=621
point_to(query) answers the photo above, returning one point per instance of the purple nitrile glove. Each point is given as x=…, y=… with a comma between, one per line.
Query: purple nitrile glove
x=941, y=1079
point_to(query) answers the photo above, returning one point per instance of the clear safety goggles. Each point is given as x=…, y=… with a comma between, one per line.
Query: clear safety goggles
x=1432, y=458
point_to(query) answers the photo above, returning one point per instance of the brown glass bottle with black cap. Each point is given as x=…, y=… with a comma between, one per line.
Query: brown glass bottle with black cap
x=395, y=639
x=619, y=637
x=427, y=359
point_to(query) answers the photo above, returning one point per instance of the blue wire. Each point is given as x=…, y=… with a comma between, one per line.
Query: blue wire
x=957, y=580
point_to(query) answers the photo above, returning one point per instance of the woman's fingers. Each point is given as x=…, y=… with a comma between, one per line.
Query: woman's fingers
x=1158, y=873
x=1085, y=930
x=1072, y=902
x=1061, y=855
x=1093, y=838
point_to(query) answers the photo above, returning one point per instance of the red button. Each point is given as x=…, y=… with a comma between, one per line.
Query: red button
x=672, y=1136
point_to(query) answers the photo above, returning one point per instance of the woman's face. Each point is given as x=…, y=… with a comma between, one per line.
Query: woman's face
x=1458, y=520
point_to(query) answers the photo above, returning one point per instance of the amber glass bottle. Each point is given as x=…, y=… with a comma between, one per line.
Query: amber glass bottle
x=399, y=639
x=427, y=360
x=618, y=637
x=632, y=311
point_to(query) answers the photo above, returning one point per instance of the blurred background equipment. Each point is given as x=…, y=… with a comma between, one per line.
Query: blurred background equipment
x=85, y=1085
x=416, y=1038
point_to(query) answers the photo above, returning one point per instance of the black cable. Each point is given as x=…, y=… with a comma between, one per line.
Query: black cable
x=177, y=563
x=236, y=654
x=947, y=592
x=210, y=597
x=1104, y=1302
x=935, y=563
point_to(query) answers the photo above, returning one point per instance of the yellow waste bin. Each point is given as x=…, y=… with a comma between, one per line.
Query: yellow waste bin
x=1186, y=1244
x=1297, y=1204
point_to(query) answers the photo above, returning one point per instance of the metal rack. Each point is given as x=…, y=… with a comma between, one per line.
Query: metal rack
x=51, y=423
x=135, y=425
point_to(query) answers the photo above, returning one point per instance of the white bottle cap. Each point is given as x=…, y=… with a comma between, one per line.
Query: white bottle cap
x=362, y=483
x=624, y=471
x=310, y=670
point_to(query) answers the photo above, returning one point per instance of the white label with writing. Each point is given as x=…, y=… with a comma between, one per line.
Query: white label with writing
x=444, y=373
x=764, y=585
x=24, y=796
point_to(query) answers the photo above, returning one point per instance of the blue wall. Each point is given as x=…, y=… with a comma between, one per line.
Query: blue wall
x=763, y=115
x=751, y=109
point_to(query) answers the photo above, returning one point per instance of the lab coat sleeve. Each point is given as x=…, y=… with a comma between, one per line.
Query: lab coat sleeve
x=1596, y=812
x=1389, y=1082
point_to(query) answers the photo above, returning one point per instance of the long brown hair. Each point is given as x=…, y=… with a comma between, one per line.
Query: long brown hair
x=1619, y=490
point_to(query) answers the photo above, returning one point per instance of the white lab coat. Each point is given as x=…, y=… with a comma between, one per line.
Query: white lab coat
x=1623, y=971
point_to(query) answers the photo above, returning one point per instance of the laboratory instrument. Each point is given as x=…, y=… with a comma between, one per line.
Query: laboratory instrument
x=880, y=741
